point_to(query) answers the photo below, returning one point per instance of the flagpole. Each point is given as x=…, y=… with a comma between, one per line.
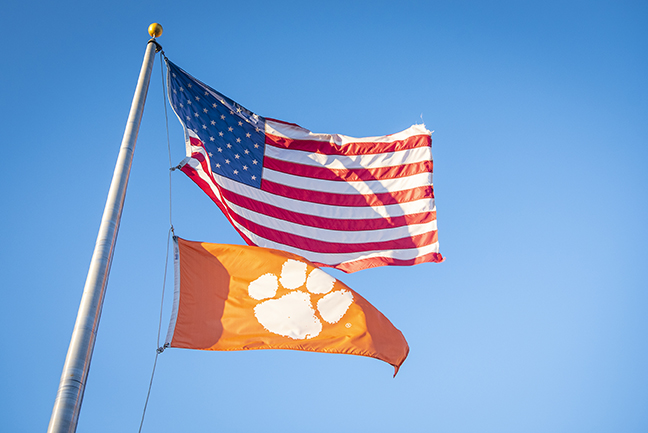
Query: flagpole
x=69, y=397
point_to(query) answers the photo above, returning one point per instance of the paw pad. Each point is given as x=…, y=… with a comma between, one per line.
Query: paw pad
x=293, y=314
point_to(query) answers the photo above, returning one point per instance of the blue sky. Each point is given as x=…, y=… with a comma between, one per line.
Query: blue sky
x=537, y=320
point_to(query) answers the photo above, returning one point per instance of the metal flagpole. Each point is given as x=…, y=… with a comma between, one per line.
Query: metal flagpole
x=77, y=362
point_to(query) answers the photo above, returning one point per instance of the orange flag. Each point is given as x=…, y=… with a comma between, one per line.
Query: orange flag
x=235, y=297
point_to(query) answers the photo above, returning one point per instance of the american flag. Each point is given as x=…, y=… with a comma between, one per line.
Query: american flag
x=342, y=202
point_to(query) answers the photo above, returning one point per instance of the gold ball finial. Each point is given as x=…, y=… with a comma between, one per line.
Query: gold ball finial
x=155, y=30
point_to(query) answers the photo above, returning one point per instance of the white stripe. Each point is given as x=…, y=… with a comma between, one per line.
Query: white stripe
x=325, y=258
x=323, y=210
x=361, y=187
x=197, y=167
x=337, y=258
x=387, y=159
x=337, y=236
x=298, y=133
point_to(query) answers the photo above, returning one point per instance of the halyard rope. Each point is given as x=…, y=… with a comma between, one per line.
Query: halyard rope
x=160, y=349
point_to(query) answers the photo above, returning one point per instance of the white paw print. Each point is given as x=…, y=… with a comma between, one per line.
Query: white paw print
x=292, y=315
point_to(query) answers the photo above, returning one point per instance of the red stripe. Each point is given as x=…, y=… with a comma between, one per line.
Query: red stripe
x=205, y=186
x=350, y=174
x=281, y=121
x=319, y=246
x=326, y=223
x=300, y=241
x=201, y=159
x=375, y=262
x=333, y=199
x=352, y=200
x=360, y=148
x=304, y=243
x=196, y=142
x=193, y=175
x=309, y=220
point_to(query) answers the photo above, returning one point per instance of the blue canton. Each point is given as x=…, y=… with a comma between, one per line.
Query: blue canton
x=233, y=136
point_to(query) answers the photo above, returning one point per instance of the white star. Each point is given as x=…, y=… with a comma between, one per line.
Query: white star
x=253, y=177
x=206, y=93
x=240, y=123
x=258, y=130
x=181, y=106
x=256, y=146
x=189, y=85
x=247, y=151
x=196, y=114
x=188, y=102
x=220, y=149
x=229, y=146
x=197, y=98
x=220, y=133
x=227, y=161
x=230, y=129
x=173, y=74
x=211, y=139
x=205, y=110
x=188, y=118
x=245, y=167
x=235, y=171
x=248, y=135
x=181, y=89
x=217, y=165
x=204, y=126
x=238, y=140
x=175, y=91
x=213, y=122
x=231, y=112
x=238, y=109
x=214, y=105
x=222, y=117
x=210, y=154
x=254, y=161
x=237, y=156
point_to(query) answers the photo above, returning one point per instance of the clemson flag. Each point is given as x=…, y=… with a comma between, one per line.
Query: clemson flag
x=235, y=297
